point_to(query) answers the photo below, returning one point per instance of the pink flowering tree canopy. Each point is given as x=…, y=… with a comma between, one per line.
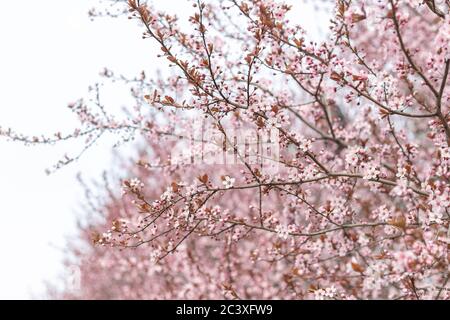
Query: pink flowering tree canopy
x=275, y=166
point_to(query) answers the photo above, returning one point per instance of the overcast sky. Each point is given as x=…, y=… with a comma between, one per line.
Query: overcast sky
x=50, y=52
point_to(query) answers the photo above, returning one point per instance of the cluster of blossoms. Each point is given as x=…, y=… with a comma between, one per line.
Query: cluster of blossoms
x=325, y=294
x=359, y=201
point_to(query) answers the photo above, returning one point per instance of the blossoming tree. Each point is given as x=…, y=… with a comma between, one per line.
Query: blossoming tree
x=353, y=200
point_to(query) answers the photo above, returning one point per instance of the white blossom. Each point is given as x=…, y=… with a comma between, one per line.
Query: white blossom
x=228, y=182
x=282, y=232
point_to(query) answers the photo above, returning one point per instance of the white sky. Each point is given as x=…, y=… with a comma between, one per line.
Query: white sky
x=49, y=53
